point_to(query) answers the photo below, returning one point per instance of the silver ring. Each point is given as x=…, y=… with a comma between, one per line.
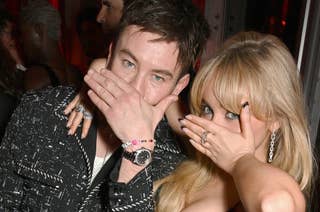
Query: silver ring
x=204, y=137
x=87, y=115
x=80, y=108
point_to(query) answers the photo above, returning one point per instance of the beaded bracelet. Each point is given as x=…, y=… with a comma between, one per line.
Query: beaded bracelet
x=136, y=142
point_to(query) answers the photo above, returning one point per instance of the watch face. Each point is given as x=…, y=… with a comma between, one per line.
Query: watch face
x=143, y=157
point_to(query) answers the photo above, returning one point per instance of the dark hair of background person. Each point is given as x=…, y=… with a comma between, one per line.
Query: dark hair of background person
x=90, y=34
x=178, y=28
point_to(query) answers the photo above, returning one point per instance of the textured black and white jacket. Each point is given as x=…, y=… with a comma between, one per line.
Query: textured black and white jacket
x=44, y=169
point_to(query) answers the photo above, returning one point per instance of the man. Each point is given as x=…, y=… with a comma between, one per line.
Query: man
x=44, y=169
x=40, y=32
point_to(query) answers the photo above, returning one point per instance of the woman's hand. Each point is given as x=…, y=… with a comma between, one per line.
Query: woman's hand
x=221, y=145
x=80, y=108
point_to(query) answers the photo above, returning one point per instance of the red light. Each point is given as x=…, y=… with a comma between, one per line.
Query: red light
x=283, y=23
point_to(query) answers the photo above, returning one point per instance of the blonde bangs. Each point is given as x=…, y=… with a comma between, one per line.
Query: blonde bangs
x=231, y=81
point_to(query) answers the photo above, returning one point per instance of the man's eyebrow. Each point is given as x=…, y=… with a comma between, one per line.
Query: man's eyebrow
x=127, y=52
x=159, y=71
x=163, y=72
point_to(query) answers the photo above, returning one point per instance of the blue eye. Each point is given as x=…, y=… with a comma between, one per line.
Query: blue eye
x=206, y=112
x=128, y=64
x=232, y=116
x=158, y=78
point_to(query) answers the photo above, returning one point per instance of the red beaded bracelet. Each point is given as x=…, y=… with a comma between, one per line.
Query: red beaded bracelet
x=136, y=142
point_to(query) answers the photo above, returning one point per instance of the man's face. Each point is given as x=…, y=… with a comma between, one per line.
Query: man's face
x=110, y=14
x=30, y=42
x=149, y=66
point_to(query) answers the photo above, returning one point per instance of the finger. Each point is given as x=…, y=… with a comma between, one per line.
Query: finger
x=76, y=122
x=98, y=102
x=206, y=124
x=99, y=91
x=125, y=86
x=72, y=104
x=107, y=83
x=199, y=147
x=245, y=122
x=195, y=128
x=85, y=127
x=71, y=118
x=163, y=105
x=192, y=135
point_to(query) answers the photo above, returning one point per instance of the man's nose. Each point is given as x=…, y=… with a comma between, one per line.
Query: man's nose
x=138, y=82
x=100, y=16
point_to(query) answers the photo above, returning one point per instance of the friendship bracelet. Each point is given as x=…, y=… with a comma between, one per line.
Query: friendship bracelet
x=136, y=142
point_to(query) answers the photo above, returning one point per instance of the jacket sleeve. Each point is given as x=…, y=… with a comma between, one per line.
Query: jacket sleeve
x=11, y=185
x=137, y=195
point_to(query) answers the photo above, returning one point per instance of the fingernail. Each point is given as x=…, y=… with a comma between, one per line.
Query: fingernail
x=245, y=104
x=69, y=132
x=90, y=72
x=180, y=119
x=182, y=127
x=82, y=136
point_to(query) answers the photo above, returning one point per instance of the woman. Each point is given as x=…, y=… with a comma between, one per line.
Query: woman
x=250, y=130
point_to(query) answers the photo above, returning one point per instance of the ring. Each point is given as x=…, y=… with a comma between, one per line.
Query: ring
x=80, y=108
x=204, y=137
x=87, y=115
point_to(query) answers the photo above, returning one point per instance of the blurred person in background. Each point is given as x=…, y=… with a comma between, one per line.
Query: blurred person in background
x=40, y=33
x=11, y=85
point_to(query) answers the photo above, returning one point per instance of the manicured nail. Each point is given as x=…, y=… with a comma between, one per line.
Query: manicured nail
x=182, y=127
x=180, y=119
x=245, y=104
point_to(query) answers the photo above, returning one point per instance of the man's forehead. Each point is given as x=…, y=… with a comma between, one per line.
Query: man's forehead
x=149, y=45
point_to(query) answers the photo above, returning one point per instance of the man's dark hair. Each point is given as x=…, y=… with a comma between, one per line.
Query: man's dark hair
x=174, y=20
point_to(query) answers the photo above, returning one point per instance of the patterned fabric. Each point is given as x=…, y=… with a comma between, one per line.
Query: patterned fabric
x=41, y=167
x=44, y=169
x=137, y=195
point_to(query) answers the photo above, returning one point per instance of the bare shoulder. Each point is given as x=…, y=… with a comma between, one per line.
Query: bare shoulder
x=98, y=64
x=206, y=205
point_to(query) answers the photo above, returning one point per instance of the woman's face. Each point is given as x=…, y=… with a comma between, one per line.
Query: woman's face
x=212, y=110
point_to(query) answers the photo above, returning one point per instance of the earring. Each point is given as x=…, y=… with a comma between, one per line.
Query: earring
x=271, y=147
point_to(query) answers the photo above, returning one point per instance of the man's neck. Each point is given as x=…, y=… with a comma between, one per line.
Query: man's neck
x=107, y=142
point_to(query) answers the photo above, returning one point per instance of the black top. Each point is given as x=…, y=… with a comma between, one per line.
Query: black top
x=7, y=105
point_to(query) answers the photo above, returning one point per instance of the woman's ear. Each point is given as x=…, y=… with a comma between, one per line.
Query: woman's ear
x=39, y=31
x=274, y=126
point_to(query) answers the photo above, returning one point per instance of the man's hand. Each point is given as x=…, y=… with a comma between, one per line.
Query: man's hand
x=126, y=111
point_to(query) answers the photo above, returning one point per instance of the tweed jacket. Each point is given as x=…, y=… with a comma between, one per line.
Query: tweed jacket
x=42, y=168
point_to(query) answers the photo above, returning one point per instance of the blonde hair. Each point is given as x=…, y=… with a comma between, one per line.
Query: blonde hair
x=260, y=66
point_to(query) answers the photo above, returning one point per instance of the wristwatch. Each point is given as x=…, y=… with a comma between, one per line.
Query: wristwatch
x=139, y=157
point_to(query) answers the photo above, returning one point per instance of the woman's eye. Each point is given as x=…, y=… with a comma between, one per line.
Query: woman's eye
x=206, y=112
x=128, y=64
x=232, y=116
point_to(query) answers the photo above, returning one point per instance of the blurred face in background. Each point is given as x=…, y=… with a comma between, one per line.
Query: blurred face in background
x=6, y=36
x=110, y=14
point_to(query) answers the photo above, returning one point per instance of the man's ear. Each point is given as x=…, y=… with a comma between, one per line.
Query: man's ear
x=181, y=84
